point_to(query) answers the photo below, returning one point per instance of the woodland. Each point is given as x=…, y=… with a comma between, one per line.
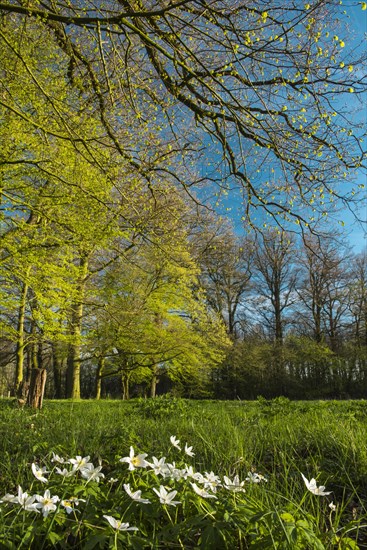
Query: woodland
x=128, y=129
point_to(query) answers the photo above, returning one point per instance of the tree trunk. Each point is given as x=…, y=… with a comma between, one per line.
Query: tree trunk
x=36, y=346
x=73, y=362
x=154, y=382
x=34, y=355
x=73, y=369
x=37, y=388
x=100, y=369
x=153, y=385
x=125, y=379
x=279, y=374
x=277, y=308
x=23, y=392
x=19, y=361
x=57, y=365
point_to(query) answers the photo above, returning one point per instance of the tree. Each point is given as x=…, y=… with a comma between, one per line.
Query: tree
x=358, y=299
x=152, y=311
x=275, y=281
x=310, y=366
x=354, y=348
x=55, y=219
x=322, y=270
x=225, y=260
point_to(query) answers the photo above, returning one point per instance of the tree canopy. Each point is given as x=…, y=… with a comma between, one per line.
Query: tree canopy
x=271, y=86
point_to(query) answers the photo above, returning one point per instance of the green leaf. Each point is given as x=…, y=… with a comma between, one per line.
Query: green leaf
x=54, y=538
x=94, y=541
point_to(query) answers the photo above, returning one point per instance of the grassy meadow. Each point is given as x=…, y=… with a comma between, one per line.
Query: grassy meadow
x=278, y=439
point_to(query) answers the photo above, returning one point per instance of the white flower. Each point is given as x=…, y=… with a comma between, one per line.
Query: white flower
x=165, y=497
x=211, y=481
x=47, y=503
x=135, y=461
x=64, y=472
x=201, y=492
x=79, y=462
x=118, y=525
x=253, y=477
x=57, y=458
x=38, y=473
x=188, y=450
x=312, y=487
x=9, y=498
x=91, y=473
x=175, y=473
x=332, y=506
x=70, y=503
x=26, y=502
x=236, y=485
x=175, y=442
x=112, y=480
x=190, y=472
x=135, y=496
x=67, y=504
x=76, y=500
x=159, y=466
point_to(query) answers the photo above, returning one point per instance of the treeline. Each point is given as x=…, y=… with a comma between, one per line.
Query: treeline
x=296, y=312
x=196, y=311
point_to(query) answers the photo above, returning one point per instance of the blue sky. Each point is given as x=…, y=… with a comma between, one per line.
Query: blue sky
x=355, y=232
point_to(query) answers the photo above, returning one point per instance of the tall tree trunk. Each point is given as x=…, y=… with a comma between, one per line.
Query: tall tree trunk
x=34, y=346
x=316, y=311
x=36, y=336
x=153, y=383
x=100, y=369
x=73, y=361
x=125, y=379
x=57, y=365
x=40, y=352
x=20, y=344
x=37, y=388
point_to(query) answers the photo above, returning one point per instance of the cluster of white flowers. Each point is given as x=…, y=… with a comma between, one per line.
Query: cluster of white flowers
x=254, y=477
x=41, y=503
x=47, y=503
x=79, y=464
x=204, y=485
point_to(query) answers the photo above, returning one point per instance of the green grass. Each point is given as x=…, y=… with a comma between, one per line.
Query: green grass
x=278, y=438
